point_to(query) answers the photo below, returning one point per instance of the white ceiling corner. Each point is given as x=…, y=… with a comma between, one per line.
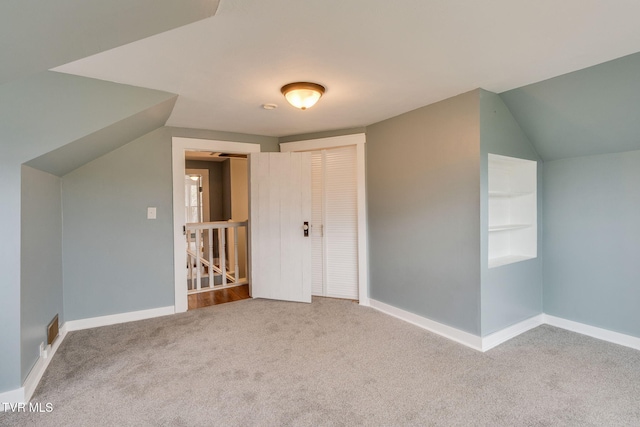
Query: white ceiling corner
x=376, y=58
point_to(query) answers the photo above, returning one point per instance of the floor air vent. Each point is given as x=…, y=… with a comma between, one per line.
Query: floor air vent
x=52, y=330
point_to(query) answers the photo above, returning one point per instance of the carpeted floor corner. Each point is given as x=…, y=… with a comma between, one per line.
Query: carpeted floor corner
x=329, y=363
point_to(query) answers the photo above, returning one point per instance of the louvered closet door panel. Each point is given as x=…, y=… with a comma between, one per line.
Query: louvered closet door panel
x=341, y=223
x=317, y=256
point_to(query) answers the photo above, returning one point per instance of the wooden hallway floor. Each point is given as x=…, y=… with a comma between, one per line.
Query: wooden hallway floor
x=221, y=296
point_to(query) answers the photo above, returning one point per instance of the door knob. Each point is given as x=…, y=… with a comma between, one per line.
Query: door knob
x=305, y=228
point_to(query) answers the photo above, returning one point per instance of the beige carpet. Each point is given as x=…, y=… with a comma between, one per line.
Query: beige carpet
x=268, y=363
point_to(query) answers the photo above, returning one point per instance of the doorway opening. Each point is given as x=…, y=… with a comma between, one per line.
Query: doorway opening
x=216, y=211
x=210, y=254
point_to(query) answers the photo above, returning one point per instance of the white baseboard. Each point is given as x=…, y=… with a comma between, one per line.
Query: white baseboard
x=34, y=377
x=24, y=393
x=593, y=331
x=497, y=338
x=490, y=341
x=94, y=322
x=461, y=337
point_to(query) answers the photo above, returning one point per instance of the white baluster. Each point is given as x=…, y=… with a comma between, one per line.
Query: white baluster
x=189, y=260
x=246, y=253
x=223, y=256
x=211, y=274
x=235, y=258
x=198, y=263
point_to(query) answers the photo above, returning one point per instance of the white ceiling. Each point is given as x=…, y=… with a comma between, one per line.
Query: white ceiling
x=377, y=58
x=38, y=35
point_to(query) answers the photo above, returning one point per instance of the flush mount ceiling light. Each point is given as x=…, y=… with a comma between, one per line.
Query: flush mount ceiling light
x=302, y=95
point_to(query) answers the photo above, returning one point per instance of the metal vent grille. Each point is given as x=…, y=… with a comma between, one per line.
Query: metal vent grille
x=52, y=330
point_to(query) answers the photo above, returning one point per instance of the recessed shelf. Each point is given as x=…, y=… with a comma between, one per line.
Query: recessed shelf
x=512, y=210
x=507, y=227
x=508, y=259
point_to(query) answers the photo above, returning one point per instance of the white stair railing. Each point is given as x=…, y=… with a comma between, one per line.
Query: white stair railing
x=202, y=262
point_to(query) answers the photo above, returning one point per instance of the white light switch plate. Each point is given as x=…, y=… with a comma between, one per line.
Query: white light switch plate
x=151, y=213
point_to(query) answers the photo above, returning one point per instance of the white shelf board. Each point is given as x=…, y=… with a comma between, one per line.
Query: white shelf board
x=507, y=227
x=509, y=193
x=512, y=210
x=509, y=259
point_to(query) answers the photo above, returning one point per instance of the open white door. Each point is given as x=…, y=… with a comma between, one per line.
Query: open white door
x=280, y=204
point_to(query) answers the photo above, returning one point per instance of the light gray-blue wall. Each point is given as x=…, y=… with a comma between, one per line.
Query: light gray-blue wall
x=267, y=143
x=583, y=113
x=423, y=191
x=37, y=115
x=10, y=273
x=116, y=260
x=590, y=196
x=41, y=261
x=592, y=240
x=513, y=292
x=317, y=135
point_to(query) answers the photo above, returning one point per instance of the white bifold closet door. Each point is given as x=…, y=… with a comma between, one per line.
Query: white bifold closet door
x=334, y=220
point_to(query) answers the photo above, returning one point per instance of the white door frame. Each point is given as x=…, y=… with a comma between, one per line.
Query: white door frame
x=178, y=147
x=341, y=141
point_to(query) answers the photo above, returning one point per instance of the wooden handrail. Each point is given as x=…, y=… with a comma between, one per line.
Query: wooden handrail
x=214, y=225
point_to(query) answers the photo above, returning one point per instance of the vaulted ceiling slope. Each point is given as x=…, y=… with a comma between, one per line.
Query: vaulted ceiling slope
x=377, y=58
x=587, y=112
x=40, y=34
x=71, y=156
x=58, y=122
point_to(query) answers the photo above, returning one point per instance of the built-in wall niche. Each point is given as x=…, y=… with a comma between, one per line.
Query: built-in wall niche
x=513, y=219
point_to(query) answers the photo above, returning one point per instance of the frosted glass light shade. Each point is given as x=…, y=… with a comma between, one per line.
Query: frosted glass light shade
x=302, y=95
